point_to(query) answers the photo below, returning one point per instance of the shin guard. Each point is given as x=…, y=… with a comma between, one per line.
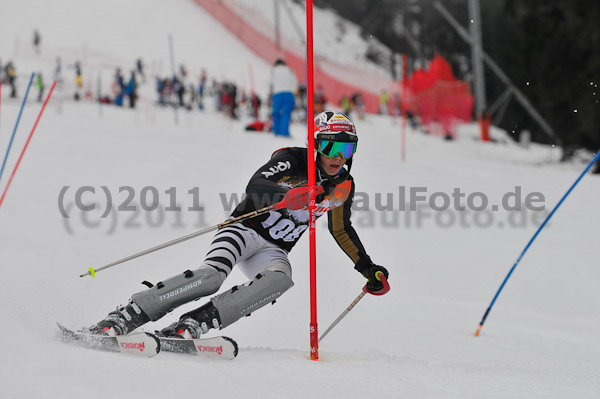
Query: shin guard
x=243, y=299
x=178, y=290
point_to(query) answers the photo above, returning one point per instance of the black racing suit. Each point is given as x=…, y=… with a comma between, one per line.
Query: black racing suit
x=288, y=168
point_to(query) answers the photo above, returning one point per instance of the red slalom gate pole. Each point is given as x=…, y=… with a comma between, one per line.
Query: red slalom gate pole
x=314, y=331
x=403, y=99
x=27, y=142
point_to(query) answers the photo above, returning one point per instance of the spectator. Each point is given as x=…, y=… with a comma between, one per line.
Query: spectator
x=345, y=104
x=254, y=104
x=301, y=103
x=193, y=97
x=131, y=90
x=78, y=78
x=179, y=90
x=383, y=103
x=162, y=90
x=232, y=100
x=36, y=41
x=320, y=100
x=201, y=89
x=11, y=77
x=283, y=84
x=140, y=69
x=357, y=103
x=78, y=81
x=58, y=71
x=39, y=83
x=119, y=88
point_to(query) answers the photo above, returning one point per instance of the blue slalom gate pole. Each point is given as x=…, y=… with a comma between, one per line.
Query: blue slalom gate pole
x=512, y=269
x=16, y=125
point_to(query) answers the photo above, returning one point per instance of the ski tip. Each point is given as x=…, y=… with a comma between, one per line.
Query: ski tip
x=65, y=333
x=478, y=330
x=61, y=329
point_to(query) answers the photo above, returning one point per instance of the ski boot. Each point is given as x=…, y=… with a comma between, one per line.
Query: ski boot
x=193, y=324
x=121, y=321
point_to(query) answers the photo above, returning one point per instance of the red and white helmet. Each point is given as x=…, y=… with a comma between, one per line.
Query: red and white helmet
x=335, y=126
x=335, y=134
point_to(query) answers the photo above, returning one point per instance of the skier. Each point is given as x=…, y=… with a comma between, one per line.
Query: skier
x=283, y=84
x=260, y=246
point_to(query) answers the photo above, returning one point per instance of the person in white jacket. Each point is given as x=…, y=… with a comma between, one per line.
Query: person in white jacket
x=283, y=85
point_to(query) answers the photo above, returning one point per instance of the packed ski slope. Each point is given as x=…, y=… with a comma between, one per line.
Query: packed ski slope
x=539, y=341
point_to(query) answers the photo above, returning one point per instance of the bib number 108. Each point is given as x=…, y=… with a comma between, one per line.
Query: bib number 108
x=283, y=229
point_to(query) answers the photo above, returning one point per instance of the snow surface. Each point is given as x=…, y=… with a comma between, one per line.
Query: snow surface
x=541, y=339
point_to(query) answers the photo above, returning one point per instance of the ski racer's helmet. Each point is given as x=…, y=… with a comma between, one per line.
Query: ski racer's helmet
x=335, y=134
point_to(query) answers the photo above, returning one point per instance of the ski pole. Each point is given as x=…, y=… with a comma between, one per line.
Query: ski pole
x=386, y=287
x=286, y=202
x=92, y=272
x=512, y=269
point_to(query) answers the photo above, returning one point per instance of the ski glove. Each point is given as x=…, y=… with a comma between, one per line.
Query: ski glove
x=298, y=197
x=368, y=270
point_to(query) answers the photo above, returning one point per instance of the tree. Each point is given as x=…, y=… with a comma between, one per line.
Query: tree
x=549, y=49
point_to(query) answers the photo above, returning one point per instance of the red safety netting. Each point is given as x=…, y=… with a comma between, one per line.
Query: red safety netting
x=435, y=95
x=336, y=81
x=438, y=98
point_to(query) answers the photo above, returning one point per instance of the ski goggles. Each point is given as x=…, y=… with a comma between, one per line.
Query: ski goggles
x=331, y=149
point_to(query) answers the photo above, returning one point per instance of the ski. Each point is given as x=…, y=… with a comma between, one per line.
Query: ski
x=216, y=348
x=140, y=344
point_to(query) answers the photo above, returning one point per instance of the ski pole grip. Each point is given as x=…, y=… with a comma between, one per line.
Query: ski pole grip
x=386, y=286
x=297, y=198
